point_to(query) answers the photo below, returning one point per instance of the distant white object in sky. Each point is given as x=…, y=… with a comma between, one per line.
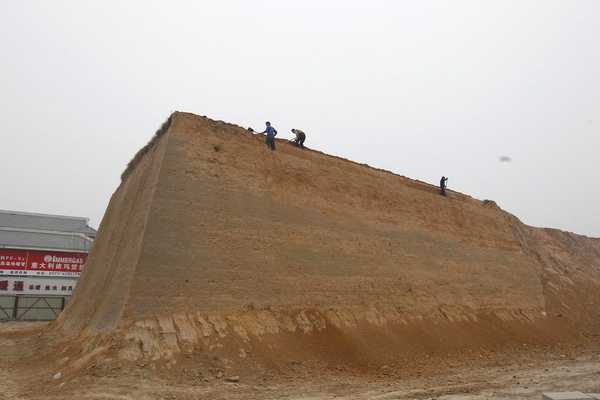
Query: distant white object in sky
x=505, y=159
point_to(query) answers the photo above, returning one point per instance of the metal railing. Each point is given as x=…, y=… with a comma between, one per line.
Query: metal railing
x=31, y=308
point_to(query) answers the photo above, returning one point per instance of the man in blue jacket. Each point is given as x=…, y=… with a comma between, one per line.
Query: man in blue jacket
x=271, y=133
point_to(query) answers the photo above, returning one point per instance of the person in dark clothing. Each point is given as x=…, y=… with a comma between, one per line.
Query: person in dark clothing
x=271, y=133
x=300, y=138
x=443, y=185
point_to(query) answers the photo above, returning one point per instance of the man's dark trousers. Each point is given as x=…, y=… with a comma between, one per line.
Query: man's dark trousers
x=271, y=141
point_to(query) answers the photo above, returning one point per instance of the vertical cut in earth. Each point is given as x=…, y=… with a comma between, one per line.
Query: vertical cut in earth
x=211, y=237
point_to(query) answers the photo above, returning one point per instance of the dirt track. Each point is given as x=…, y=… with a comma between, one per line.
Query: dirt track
x=515, y=374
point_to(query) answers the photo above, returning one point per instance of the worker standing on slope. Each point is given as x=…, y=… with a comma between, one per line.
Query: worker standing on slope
x=300, y=137
x=443, y=185
x=271, y=133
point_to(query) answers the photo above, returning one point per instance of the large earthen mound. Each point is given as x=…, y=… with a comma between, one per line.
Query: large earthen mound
x=214, y=242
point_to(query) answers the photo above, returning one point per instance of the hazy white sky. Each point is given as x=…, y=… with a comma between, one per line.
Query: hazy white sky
x=422, y=88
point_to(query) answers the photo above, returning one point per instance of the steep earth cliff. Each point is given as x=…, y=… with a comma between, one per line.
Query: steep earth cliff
x=214, y=243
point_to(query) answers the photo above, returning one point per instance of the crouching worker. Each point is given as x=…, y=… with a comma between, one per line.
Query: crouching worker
x=271, y=133
x=300, y=138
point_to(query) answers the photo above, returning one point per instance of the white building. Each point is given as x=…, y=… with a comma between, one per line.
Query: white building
x=41, y=258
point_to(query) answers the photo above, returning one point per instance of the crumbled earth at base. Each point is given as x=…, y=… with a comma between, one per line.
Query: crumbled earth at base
x=36, y=366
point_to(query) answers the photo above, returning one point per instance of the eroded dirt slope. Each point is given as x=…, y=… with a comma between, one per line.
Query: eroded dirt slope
x=214, y=244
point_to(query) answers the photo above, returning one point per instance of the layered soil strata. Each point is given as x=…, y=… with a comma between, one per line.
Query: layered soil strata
x=212, y=242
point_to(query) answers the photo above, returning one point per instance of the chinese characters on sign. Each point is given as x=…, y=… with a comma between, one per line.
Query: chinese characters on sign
x=45, y=286
x=41, y=263
x=39, y=272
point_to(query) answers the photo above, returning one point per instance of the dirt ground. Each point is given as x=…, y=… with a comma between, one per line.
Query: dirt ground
x=30, y=369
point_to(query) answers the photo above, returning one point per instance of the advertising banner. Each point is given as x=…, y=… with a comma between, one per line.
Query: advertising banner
x=30, y=285
x=14, y=262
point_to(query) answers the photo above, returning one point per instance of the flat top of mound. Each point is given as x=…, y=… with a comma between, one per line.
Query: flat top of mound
x=238, y=130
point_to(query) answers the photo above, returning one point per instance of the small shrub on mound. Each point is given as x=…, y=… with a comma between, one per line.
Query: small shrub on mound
x=138, y=156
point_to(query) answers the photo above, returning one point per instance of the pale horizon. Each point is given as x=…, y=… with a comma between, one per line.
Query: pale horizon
x=501, y=97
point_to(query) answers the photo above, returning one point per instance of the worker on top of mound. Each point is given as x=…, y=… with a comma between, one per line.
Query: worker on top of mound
x=300, y=138
x=271, y=133
x=443, y=185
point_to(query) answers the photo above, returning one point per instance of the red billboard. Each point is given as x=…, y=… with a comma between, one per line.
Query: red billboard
x=15, y=262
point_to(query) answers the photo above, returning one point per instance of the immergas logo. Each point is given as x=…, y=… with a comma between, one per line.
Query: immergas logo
x=70, y=260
